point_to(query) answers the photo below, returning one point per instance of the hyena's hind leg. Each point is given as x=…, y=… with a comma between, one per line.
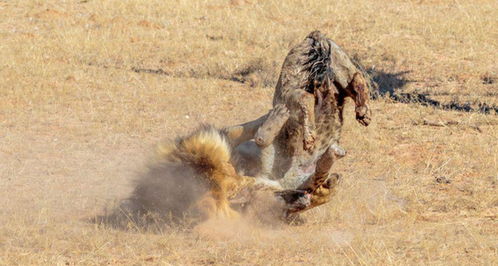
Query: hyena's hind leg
x=239, y=134
x=254, y=156
x=318, y=189
x=263, y=129
x=274, y=122
x=322, y=184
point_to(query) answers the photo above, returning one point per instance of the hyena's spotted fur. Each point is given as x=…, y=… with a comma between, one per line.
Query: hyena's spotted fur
x=297, y=142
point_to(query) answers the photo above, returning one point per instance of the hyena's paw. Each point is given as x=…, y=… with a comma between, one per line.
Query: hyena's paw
x=339, y=152
x=323, y=193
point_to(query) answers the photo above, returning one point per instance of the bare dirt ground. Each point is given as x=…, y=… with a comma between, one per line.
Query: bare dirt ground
x=88, y=87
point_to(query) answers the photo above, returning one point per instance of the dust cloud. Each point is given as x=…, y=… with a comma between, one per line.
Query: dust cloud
x=164, y=194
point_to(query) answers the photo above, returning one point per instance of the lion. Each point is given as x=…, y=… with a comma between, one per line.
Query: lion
x=196, y=174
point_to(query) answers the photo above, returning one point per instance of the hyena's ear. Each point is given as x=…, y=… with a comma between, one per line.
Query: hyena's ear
x=358, y=90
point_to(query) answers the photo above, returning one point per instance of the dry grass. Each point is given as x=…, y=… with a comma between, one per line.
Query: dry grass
x=86, y=87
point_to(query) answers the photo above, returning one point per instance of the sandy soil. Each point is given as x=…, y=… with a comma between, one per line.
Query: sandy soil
x=87, y=89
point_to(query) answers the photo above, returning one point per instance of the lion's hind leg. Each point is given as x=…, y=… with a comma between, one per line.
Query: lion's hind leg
x=215, y=204
x=228, y=186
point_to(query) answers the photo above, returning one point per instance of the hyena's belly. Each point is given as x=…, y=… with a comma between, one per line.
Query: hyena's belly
x=292, y=171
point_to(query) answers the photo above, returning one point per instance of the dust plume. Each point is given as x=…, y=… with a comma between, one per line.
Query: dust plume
x=164, y=194
x=167, y=193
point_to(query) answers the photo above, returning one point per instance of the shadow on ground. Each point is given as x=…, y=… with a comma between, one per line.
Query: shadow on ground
x=391, y=85
x=385, y=84
x=128, y=219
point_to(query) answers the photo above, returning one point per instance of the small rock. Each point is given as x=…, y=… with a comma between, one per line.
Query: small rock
x=442, y=180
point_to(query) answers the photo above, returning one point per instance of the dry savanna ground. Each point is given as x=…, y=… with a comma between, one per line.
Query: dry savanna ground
x=88, y=87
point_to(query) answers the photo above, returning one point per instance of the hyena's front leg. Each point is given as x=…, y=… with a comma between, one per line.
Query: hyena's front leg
x=358, y=90
x=308, y=108
x=305, y=103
